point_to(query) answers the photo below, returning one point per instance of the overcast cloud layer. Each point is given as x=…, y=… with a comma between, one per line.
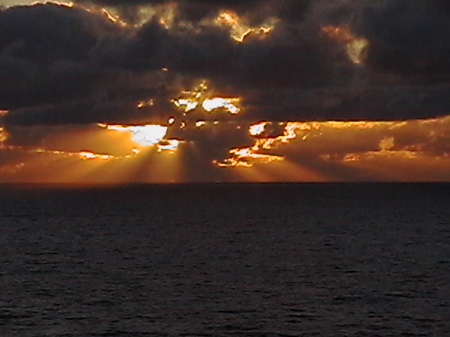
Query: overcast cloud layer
x=61, y=65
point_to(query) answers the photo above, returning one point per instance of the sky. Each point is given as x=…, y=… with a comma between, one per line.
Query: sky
x=159, y=91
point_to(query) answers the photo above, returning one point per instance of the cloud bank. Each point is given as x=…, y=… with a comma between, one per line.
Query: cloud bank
x=69, y=65
x=78, y=65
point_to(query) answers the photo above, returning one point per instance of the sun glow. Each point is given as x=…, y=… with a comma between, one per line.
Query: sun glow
x=239, y=29
x=228, y=104
x=145, y=135
x=61, y=3
x=108, y=13
x=148, y=134
x=113, y=18
x=202, y=97
x=384, y=150
x=261, y=150
x=257, y=129
x=200, y=123
x=247, y=157
x=168, y=145
x=91, y=155
x=258, y=152
x=185, y=104
x=142, y=104
x=84, y=155
x=3, y=136
x=288, y=151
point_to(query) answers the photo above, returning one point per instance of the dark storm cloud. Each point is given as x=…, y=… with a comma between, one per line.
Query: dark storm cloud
x=195, y=10
x=91, y=110
x=68, y=65
x=55, y=69
x=142, y=51
x=373, y=103
x=25, y=83
x=211, y=53
x=277, y=63
x=44, y=54
x=409, y=38
x=85, y=111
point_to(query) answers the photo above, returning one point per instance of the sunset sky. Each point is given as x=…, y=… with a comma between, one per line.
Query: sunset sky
x=115, y=91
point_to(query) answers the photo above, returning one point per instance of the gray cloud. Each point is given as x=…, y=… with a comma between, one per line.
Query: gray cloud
x=78, y=67
x=195, y=10
x=47, y=60
x=409, y=38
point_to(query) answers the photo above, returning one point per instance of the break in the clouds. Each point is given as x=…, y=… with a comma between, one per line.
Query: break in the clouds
x=207, y=72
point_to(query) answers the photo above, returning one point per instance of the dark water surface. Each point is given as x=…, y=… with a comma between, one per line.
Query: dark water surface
x=225, y=260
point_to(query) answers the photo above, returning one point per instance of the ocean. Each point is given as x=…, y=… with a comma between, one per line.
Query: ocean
x=362, y=259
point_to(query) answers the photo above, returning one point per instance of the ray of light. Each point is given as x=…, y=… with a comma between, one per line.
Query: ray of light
x=251, y=175
x=401, y=166
x=288, y=170
x=118, y=171
x=158, y=167
x=335, y=142
x=3, y=136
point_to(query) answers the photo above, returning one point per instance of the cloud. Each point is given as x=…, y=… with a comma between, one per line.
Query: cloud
x=409, y=38
x=47, y=60
x=78, y=66
x=195, y=10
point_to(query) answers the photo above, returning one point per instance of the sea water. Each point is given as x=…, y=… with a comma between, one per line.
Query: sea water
x=225, y=260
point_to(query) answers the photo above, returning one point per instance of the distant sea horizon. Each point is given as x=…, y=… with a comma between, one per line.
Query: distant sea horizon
x=219, y=183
